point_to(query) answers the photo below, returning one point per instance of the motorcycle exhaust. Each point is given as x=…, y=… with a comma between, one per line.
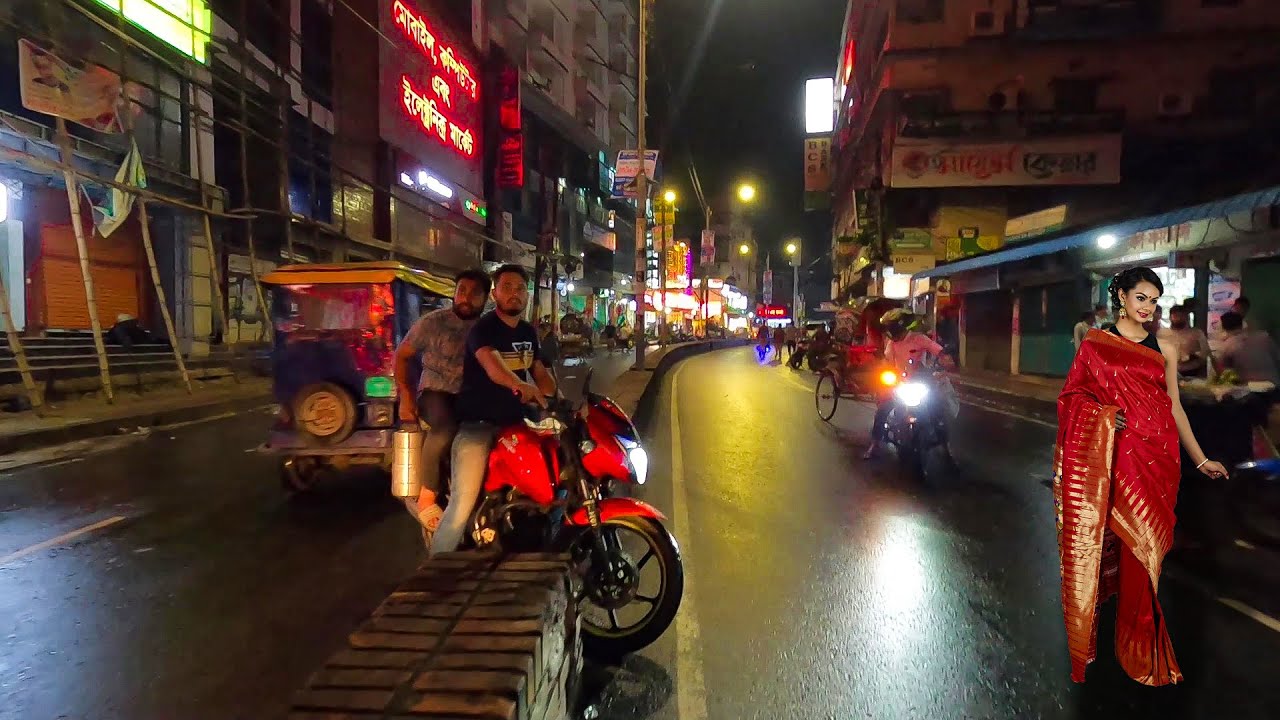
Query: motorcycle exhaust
x=406, y=457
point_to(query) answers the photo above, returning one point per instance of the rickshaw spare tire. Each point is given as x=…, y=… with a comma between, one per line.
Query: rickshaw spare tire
x=324, y=414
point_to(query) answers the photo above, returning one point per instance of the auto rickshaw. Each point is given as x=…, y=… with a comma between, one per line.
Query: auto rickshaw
x=333, y=360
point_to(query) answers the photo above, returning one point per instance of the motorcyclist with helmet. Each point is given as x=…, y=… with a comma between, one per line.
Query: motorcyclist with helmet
x=904, y=344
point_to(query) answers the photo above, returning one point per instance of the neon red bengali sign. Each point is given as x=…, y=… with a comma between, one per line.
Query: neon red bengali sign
x=431, y=101
x=772, y=312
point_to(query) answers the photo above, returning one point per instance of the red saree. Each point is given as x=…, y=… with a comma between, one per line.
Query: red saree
x=1114, y=494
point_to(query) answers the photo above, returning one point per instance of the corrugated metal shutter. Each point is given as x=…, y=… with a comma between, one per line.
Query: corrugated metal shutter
x=116, y=268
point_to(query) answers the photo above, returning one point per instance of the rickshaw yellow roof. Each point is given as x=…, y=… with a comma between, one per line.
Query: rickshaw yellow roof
x=358, y=272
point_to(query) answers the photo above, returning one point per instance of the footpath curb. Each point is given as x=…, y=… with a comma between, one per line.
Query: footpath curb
x=1006, y=400
x=636, y=391
x=103, y=427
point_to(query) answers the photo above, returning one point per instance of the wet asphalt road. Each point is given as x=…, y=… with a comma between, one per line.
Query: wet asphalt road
x=182, y=581
x=826, y=587
x=818, y=586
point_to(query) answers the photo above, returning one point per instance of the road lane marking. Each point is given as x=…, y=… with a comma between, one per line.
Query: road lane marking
x=62, y=462
x=691, y=687
x=1256, y=615
x=62, y=539
x=1248, y=611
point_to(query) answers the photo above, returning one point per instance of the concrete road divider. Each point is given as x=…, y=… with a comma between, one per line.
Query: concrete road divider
x=470, y=635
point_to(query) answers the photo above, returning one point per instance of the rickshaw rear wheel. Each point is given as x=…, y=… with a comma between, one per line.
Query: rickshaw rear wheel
x=324, y=413
x=300, y=474
x=826, y=396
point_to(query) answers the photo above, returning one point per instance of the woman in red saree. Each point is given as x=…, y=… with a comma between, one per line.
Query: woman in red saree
x=1116, y=481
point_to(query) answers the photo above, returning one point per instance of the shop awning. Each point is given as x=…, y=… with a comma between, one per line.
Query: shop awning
x=1217, y=208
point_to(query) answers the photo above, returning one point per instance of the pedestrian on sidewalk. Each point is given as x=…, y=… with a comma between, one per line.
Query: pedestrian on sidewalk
x=1116, y=474
x=438, y=342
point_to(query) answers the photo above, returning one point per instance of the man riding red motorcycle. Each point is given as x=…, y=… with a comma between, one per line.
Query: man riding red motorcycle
x=499, y=369
x=545, y=484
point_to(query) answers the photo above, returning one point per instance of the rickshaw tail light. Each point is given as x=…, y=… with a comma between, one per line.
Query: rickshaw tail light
x=379, y=387
x=889, y=378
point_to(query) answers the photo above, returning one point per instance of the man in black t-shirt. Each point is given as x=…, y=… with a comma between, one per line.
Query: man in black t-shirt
x=501, y=372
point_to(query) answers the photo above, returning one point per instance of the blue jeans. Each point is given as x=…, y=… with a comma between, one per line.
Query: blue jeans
x=471, y=448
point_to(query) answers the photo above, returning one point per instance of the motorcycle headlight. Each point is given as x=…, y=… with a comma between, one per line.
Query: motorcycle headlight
x=911, y=394
x=639, y=460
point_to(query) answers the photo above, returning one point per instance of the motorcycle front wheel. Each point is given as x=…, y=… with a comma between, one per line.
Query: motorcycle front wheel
x=628, y=603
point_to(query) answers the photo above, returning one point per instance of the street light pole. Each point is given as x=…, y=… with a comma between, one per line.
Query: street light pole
x=795, y=251
x=642, y=189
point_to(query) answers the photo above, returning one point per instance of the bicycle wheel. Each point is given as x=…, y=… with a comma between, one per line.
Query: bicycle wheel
x=826, y=395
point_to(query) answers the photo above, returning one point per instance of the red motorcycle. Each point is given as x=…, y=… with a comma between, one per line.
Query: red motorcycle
x=549, y=486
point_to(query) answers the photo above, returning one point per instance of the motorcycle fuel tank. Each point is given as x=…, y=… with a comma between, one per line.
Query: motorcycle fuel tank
x=519, y=459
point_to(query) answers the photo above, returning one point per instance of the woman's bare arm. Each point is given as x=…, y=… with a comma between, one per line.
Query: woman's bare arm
x=1188, y=438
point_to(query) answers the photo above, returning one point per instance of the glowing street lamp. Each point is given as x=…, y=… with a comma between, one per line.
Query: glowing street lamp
x=744, y=249
x=792, y=248
x=670, y=197
x=746, y=192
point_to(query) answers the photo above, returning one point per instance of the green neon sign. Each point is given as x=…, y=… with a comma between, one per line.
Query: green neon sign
x=184, y=25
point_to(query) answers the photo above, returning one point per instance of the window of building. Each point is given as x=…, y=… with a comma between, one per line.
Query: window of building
x=268, y=28
x=921, y=11
x=317, y=51
x=1232, y=91
x=310, y=178
x=1075, y=95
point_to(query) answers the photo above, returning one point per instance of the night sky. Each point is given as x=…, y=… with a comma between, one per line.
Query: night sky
x=740, y=115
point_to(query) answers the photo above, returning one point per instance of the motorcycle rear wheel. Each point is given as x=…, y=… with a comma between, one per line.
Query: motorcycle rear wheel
x=609, y=640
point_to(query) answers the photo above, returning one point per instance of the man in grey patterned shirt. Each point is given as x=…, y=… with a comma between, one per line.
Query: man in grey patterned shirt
x=439, y=340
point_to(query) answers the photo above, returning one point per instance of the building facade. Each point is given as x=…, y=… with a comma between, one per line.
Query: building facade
x=315, y=131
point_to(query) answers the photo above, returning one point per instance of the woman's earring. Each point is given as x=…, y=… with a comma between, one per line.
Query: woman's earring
x=1123, y=314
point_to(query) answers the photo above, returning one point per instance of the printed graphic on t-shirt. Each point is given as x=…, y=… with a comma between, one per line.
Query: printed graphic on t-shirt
x=520, y=358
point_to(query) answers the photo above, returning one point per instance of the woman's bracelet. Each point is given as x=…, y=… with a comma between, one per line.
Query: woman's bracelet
x=1202, y=462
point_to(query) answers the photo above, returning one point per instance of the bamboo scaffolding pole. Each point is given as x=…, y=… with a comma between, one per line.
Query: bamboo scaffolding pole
x=215, y=270
x=160, y=296
x=77, y=226
x=19, y=354
x=244, y=183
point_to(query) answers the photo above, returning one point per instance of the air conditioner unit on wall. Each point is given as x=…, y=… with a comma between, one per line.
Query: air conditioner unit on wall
x=985, y=23
x=1174, y=104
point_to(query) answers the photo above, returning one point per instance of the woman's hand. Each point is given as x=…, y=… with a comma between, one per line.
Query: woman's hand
x=1213, y=469
x=1121, y=423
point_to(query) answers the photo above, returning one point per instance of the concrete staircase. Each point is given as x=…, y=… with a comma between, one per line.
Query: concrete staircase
x=65, y=361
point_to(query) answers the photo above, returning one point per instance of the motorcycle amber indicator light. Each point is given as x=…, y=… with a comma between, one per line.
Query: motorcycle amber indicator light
x=889, y=378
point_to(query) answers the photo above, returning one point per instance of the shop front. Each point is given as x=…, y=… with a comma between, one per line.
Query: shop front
x=1157, y=249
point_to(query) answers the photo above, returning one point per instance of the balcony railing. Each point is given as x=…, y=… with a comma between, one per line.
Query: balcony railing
x=1029, y=123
